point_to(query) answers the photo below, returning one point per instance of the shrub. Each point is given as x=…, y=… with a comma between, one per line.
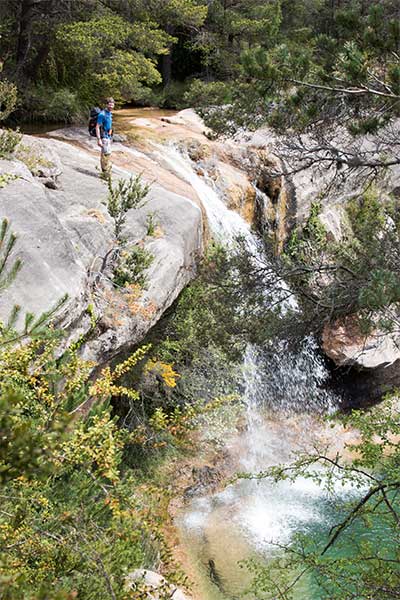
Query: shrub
x=74, y=519
x=51, y=105
x=170, y=96
x=8, y=99
x=132, y=266
x=151, y=223
x=6, y=178
x=126, y=194
x=63, y=105
x=203, y=93
x=9, y=140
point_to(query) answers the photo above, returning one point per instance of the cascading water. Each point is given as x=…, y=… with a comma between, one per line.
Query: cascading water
x=226, y=225
x=282, y=392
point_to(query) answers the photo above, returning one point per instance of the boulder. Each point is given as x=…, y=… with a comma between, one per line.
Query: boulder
x=346, y=345
x=154, y=585
x=65, y=237
x=367, y=366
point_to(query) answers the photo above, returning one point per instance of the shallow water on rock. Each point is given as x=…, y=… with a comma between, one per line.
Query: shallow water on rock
x=249, y=517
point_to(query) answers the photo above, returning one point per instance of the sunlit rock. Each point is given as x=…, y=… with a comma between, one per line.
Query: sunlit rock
x=154, y=585
x=65, y=237
x=345, y=344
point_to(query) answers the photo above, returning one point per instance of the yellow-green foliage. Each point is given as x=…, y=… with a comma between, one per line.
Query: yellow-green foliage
x=8, y=98
x=6, y=178
x=72, y=524
x=9, y=140
x=185, y=418
x=107, y=384
x=164, y=370
x=115, y=51
x=32, y=159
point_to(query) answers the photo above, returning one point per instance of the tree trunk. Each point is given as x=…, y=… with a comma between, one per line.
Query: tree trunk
x=166, y=68
x=24, y=35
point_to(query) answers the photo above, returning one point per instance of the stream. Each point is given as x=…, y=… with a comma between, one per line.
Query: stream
x=284, y=398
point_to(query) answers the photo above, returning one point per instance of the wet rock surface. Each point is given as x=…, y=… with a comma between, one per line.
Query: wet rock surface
x=206, y=480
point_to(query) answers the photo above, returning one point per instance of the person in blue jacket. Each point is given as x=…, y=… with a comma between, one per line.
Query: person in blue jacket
x=104, y=136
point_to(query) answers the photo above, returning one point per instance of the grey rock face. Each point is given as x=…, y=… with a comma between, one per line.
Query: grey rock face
x=378, y=353
x=346, y=345
x=66, y=234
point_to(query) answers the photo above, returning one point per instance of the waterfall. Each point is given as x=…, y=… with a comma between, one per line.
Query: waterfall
x=283, y=390
x=226, y=225
x=279, y=378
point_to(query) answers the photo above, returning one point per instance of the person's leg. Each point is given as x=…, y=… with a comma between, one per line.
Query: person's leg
x=105, y=163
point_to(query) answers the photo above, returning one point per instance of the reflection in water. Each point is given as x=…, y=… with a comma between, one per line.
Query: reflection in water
x=123, y=120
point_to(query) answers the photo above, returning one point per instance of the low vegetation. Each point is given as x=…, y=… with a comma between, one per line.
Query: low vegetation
x=74, y=519
x=133, y=263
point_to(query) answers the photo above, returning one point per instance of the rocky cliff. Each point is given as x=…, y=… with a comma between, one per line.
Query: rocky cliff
x=65, y=235
x=55, y=200
x=56, y=203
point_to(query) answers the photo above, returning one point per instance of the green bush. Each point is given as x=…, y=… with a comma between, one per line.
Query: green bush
x=75, y=519
x=170, y=96
x=63, y=106
x=9, y=140
x=6, y=178
x=51, y=105
x=151, y=223
x=124, y=195
x=132, y=266
x=203, y=93
x=8, y=99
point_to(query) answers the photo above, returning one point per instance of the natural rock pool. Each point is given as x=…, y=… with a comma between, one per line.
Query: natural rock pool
x=250, y=518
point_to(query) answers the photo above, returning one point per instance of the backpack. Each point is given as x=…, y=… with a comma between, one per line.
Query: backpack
x=94, y=113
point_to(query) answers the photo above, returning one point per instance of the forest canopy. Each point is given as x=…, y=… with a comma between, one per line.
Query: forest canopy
x=282, y=61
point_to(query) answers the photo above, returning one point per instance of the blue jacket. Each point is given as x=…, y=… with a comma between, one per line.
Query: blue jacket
x=104, y=119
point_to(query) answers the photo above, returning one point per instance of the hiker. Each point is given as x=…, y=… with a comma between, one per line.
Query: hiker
x=104, y=136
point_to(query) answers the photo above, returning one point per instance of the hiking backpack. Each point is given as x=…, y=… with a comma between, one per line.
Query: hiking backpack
x=94, y=113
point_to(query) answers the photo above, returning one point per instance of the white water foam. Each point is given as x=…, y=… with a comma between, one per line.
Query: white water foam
x=274, y=379
x=225, y=224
